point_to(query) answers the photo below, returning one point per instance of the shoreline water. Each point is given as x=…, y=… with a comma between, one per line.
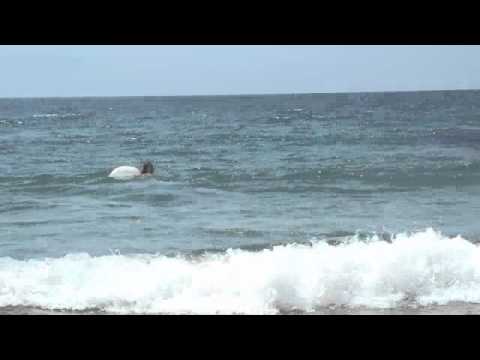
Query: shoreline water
x=454, y=308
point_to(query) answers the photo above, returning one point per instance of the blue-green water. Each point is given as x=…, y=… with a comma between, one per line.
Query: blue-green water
x=241, y=172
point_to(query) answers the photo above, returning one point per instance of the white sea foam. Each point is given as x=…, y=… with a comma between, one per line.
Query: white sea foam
x=53, y=115
x=45, y=115
x=424, y=268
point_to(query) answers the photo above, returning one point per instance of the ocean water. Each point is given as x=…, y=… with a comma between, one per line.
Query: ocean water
x=273, y=204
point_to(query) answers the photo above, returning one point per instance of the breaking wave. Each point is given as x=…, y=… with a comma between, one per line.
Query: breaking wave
x=422, y=268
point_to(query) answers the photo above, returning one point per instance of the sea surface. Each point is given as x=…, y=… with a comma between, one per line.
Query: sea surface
x=275, y=204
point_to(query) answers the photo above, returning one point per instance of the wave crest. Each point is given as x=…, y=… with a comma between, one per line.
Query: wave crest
x=422, y=268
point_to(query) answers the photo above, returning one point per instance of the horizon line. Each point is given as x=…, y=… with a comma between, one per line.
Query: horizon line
x=238, y=94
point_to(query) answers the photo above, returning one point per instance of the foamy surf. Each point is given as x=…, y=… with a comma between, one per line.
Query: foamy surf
x=423, y=268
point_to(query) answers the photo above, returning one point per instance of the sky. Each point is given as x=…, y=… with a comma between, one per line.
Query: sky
x=161, y=70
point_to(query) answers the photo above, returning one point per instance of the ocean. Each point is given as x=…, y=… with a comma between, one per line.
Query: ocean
x=273, y=204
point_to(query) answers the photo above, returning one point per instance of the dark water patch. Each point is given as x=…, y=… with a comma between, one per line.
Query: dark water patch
x=50, y=182
x=300, y=188
x=20, y=206
x=150, y=199
x=228, y=232
x=52, y=221
x=44, y=189
x=27, y=223
x=129, y=218
x=117, y=205
x=6, y=149
x=454, y=137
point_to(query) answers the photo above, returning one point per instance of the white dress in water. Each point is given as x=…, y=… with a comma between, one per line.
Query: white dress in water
x=125, y=173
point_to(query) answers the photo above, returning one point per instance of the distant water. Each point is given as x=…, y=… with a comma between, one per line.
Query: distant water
x=259, y=204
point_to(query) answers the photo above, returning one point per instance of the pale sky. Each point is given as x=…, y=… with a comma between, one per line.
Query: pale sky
x=160, y=70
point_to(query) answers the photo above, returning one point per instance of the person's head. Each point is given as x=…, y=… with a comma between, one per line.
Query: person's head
x=147, y=168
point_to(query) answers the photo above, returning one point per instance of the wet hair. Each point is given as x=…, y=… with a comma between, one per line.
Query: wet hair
x=147, y=168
